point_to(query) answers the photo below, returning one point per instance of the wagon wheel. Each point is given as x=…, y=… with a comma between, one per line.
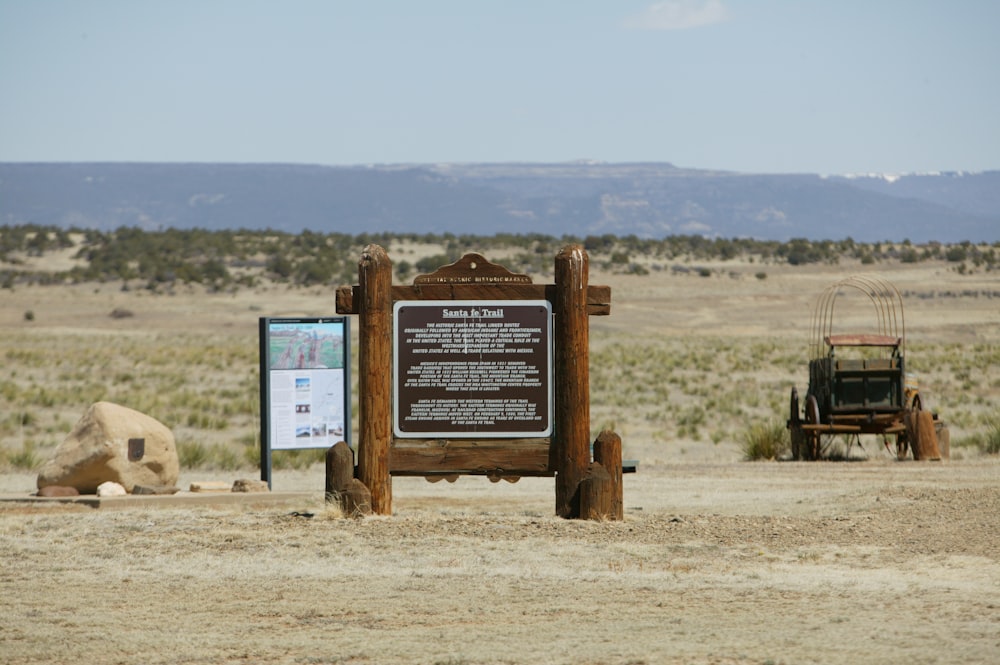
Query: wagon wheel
x=811, y=439
x=795, y=425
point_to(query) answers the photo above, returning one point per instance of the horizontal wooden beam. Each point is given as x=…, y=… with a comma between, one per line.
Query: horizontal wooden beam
x=831, y=429
x=862, y=340
x=864, y=418
x=598, y=297
x=494, y=457
x=854, y=429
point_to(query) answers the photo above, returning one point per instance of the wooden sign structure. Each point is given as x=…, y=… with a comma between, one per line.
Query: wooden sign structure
x=584, y=488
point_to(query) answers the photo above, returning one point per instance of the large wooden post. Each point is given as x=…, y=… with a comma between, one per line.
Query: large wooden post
x=375, y=376
x=570, y=450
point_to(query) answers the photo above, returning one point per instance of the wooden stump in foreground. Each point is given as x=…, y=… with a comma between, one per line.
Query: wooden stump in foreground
x=608, y=453
x=923, y=439
x=341, y=485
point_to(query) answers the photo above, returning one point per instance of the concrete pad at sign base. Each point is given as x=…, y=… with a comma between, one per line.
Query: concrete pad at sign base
x=211, y=486
x=178, y=500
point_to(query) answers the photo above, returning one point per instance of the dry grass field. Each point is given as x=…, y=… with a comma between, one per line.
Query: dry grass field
x=718, y=560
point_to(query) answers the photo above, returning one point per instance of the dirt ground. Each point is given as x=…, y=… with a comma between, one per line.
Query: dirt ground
x=717, y=561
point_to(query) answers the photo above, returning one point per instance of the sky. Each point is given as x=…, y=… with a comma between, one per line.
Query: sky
x=755, y=86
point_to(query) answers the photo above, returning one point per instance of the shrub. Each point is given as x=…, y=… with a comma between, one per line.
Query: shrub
x=765, y=441
x=429, y=264
x=956, y=254
x=25, y=419
x=991, y=442
x=297, y=459
x=192, y=454
x=251, y=455
x=226, y=458
x=26, y=458
x=403, y=269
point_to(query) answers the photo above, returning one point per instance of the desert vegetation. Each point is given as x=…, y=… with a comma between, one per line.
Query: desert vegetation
x=226, y=260
x=206, y=387
x=672, y=392
x=718, y=559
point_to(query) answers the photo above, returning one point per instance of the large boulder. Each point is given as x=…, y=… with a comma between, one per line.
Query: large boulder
x=117, y=444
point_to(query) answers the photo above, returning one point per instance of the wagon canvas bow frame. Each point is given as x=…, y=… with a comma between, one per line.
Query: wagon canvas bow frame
x=887, y=303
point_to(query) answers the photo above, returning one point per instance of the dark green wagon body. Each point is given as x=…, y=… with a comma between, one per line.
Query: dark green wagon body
x=858, y=385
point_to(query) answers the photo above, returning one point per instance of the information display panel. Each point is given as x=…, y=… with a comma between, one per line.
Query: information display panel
x=472, y=369
x=305, y=383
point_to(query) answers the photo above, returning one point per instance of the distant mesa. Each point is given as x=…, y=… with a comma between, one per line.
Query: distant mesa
x=580, y=198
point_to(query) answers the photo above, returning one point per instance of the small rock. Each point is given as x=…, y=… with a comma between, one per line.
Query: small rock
x=250, y=485
x=110, y=488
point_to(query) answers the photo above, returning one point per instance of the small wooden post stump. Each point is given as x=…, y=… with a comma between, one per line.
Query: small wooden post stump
x=608, y=453
x=356, y=500
x=341, y=485
x=924, y=440
x=596, y=493
x=339, y=468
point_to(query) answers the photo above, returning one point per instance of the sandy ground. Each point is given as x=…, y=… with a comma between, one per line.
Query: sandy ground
x=717, y=560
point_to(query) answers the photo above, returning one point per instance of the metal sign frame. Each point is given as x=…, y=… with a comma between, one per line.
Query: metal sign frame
x=472, y=369
x=305, y=384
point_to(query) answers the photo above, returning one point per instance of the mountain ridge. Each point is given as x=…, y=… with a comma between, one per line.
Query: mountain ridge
x=646, y=199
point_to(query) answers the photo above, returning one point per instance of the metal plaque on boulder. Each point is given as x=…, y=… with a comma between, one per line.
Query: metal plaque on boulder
x=472, y=369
